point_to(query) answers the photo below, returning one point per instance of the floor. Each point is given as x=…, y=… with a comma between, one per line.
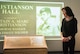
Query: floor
x=57, y=53
x=61, y=52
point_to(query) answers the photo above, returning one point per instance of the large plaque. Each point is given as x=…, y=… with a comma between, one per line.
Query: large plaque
x=25, y=45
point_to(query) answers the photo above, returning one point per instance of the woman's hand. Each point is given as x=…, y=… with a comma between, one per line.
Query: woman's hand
x=65, y=39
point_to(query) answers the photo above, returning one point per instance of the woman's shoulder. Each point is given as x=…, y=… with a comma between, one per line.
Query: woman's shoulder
x=63, y=19
x=74, y=19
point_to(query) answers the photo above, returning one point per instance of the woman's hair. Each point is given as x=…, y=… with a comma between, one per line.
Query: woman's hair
x=68, y=11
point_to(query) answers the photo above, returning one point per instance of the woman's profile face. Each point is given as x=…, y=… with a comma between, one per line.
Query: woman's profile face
x=64, y=13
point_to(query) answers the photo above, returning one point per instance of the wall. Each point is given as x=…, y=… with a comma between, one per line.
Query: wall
x=56, y=45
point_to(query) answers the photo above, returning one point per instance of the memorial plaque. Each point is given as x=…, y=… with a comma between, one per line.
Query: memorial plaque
x=25, y=45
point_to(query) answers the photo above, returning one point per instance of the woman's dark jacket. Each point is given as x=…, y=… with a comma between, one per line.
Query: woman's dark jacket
x=69, y=28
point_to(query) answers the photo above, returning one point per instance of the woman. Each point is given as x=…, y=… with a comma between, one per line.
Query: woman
x=68, y=30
